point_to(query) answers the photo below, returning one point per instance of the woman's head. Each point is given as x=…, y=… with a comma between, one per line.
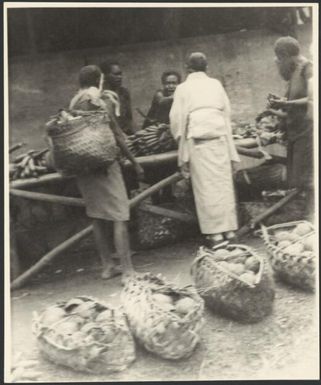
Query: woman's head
x=89, y=76
x=286, y=49
x=170, y=80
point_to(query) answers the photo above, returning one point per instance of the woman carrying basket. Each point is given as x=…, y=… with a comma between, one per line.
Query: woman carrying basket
x=104, y=191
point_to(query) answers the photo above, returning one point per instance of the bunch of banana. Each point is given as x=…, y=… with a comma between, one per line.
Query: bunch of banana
x=29, y=165
x=154, y=139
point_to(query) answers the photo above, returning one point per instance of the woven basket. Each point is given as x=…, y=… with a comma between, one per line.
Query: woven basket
x=296, y=270
x=227, y=294
x=83, y=144
x=152, y=230
x=160, y=330
x=88, y=355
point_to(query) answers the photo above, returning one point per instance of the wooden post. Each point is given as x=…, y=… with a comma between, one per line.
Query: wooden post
x=271, y=210
x=24, y=277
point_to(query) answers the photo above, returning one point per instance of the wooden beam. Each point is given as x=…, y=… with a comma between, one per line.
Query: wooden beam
x=144, y=161
x=69, y=201
x=271, y=210
x=24, y=277
x=184, y=217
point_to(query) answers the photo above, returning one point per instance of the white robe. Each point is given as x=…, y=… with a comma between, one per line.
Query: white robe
x=201, y=110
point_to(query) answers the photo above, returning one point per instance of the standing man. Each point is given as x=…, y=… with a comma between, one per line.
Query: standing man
x=296, y=70
x=200, y=122
x=113, y=82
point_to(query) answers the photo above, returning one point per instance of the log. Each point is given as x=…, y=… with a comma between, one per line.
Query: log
x=144, y=161
x=242, y=146
x=70, y=201
x=184, y=217
x=41, y=180
x=255, y=221
x=156, y=187
x=24, y=277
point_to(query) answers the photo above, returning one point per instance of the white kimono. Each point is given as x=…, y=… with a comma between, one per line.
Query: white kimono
x=200, y=122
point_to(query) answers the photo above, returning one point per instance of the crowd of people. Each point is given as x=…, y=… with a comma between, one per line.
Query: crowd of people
x=199, y=114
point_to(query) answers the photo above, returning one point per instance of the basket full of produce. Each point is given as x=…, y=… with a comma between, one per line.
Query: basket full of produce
x=152, y=229
x=235, y=282
x=292, y=253
x=86, y=335
x=81, y=141
x=165, y=319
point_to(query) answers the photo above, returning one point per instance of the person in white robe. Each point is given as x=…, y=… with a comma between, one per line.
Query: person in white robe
x=200, y=122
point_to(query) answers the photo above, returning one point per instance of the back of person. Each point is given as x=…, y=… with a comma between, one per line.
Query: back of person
x=205, y=101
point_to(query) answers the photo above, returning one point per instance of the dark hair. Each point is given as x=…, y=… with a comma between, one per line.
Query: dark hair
x=165, y=75
x=197, y=62
x=286, y=46
x=89, y=76
x=107, y=65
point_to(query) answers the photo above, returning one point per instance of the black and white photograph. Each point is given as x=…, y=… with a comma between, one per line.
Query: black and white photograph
x=161, y=191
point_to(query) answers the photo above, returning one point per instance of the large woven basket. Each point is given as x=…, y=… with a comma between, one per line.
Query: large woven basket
x=296, y=270
x=83, y=144
x=160, y=330
x=153, y=230
x=105, y=355
x=226, y=293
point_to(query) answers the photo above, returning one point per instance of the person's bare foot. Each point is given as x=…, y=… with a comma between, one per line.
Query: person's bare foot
x=230, y=235
x=116, y=258
x=111, y=271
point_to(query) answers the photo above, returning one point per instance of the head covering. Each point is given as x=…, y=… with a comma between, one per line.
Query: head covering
x=89, y=76
x=197, y=61
x=286, y=46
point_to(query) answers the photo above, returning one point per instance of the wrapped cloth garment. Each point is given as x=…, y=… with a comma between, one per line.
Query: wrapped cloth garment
x=212, y=182
x=200, y=121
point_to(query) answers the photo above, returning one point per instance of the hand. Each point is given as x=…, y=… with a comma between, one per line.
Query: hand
x=140, y=172
x=185, y=171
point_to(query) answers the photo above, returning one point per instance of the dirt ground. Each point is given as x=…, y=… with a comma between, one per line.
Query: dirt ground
x=283, y=346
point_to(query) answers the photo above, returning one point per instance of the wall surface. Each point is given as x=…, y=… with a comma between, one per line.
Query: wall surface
x=243, y=61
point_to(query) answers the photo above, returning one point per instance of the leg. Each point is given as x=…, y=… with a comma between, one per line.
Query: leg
x=121, y=240
x=102, y=233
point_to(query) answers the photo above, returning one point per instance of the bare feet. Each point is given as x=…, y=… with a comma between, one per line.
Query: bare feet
x=116, y=258
x=111, y=271
x=229, y=235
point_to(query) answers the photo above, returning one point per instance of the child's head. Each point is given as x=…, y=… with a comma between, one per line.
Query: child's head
x=89, y=76
x=170, y=80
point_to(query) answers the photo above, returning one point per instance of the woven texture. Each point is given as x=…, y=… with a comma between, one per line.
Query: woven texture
x=106, y=345
x=227, y=294
x=296, y=270
x=153, y=230
x=160, y=330
x=82, y=144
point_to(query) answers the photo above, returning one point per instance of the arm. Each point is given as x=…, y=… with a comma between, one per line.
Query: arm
x=279, y=113
x=129, y=120
x=178, y=120
x=151, y=112
x=119, y=136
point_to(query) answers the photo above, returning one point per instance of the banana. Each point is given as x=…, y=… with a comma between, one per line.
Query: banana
x=31, y=164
